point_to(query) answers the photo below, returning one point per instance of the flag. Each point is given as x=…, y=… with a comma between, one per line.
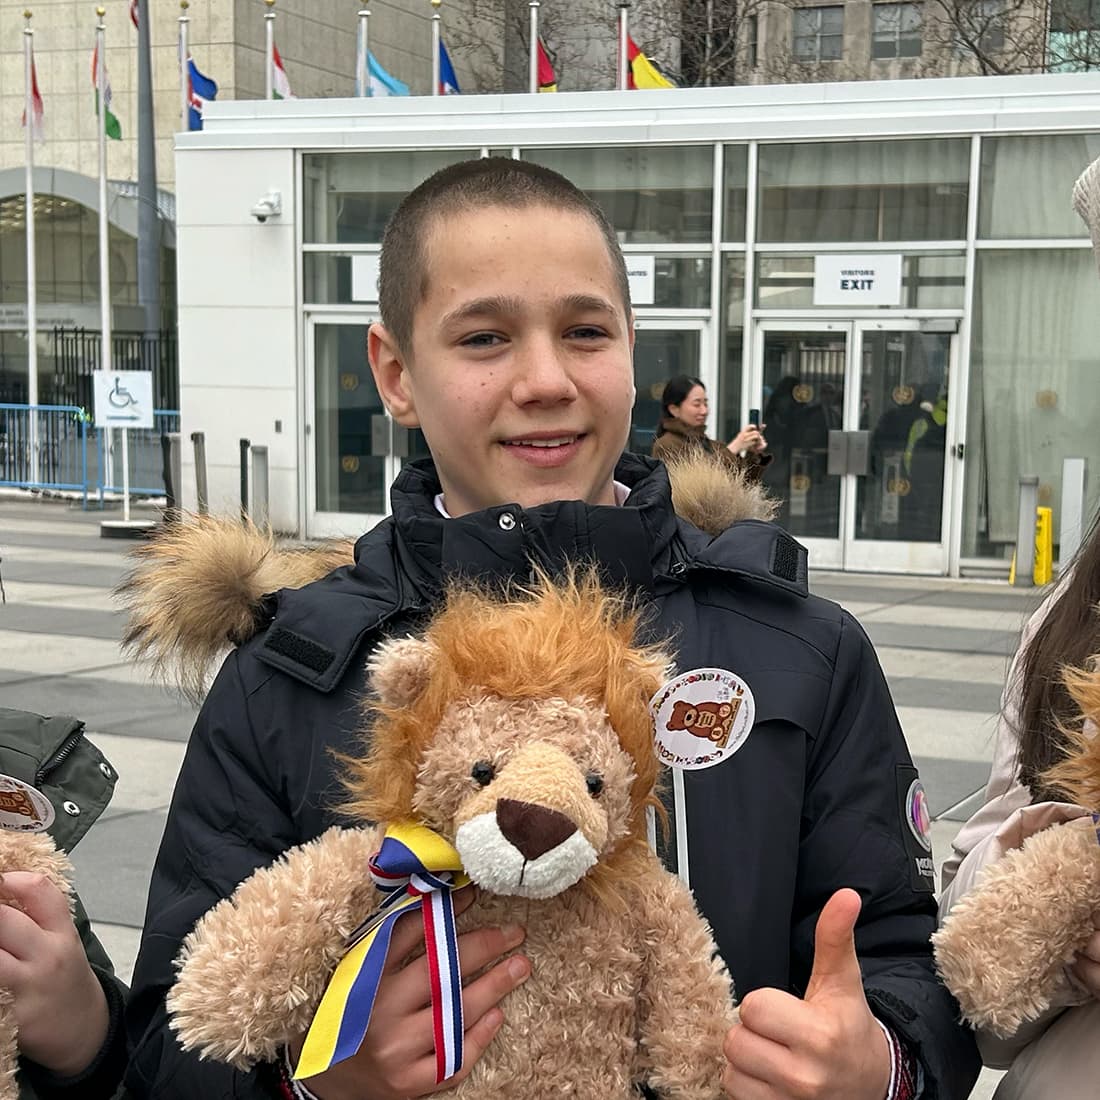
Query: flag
x=642, y=72
x=280, y=86
x=548, y=81
x=134, y=12
x=38, y=120
x=200, y=90
x=448, y=82
x=111, y=125
x=381, y=83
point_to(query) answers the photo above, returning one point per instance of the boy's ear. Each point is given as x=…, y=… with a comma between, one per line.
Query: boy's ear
x=387, y=364
x=399, y=670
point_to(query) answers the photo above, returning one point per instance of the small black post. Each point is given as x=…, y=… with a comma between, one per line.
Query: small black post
x=171, y=511
x=245, y=447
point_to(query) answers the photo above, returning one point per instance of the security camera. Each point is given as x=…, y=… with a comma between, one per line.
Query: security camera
x=270, y=206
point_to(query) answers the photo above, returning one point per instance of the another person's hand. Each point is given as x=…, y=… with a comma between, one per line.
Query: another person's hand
x=826, y=1046
x=397, y=1059
x=60, y=1007
x=1086, y=967
x=750, y=439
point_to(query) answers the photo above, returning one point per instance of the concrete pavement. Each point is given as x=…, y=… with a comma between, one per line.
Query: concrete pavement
x=945, y=646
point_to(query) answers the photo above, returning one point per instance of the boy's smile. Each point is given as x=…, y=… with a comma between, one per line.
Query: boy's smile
x=520, y=372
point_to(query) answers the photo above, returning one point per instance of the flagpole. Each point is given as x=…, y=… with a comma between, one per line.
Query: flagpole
x=533, y=60
x=32, y=272
x=362, y=62
x=624, y=8
x=185, y=76
x=269, y=67
x=435, y=46
x=104, y=240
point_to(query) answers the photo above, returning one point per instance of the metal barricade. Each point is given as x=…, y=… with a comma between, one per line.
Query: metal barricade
x=45, y=447
x=146, y=457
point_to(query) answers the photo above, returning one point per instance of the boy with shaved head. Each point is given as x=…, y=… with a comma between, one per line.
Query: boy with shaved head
x=507, y=337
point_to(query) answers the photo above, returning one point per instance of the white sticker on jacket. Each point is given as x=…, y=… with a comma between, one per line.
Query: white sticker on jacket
x=22, y=807
x=701, y=718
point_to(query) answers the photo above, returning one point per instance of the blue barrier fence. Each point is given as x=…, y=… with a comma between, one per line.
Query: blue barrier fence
x=73, y=456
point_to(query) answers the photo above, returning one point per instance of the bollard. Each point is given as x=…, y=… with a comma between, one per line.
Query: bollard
x=260, y=508
x=1074, y=480
x=245, y=446
x=170, y=449
x=198, y=439
x=1025, y=533
x=1043, y=573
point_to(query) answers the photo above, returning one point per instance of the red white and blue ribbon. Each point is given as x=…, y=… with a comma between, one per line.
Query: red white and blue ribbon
x=418, y=869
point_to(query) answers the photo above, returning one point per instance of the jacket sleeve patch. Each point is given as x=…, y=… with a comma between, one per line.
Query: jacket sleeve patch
x=915, y=822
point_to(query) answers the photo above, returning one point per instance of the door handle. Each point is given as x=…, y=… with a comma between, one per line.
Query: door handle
x=859, y=453
x=838, y=453
x=958, y=450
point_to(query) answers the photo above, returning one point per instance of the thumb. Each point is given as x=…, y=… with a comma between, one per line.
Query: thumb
x=836, y=968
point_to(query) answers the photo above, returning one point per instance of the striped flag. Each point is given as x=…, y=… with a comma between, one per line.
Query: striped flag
x=111, y=125
x=201, y=90
x=642, y=72
x=280, y=86
x=38, y=119
x=382, y=83
x=448, y=82
x=134, y=12
x=548, y=81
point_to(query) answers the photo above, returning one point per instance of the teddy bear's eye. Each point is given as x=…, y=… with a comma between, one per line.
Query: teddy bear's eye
x=483, y=772
x=594, y=783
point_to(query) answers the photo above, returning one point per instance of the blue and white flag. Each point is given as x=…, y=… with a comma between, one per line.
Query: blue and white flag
x=448, y=82
x=381, y=83
x=201, y=90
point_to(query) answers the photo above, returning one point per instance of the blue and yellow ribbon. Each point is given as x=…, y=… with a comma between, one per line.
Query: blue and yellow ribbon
x=418, y=869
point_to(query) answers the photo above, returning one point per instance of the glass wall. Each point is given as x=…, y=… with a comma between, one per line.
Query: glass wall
x=1034, y=387
x=656, y=194
x=730, y=345
x=864, y=191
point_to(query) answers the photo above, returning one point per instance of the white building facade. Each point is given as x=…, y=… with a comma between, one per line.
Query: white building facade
x=891, y=273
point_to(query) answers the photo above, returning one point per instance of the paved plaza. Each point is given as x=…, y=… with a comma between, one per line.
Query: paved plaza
x=944, y=644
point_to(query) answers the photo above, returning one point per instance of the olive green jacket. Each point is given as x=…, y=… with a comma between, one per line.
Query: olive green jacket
x=53, y=755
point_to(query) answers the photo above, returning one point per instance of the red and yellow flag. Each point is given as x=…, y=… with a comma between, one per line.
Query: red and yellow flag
x=642, y=72
x=548, y=81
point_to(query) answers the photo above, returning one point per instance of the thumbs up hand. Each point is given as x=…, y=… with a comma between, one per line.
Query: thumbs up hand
x=826, y=1046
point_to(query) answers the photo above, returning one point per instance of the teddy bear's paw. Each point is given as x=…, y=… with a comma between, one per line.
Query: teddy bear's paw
x=1003, y=948
x=255, y=967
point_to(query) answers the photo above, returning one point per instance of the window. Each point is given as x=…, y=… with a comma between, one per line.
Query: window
x=1074, y=45
x=895, y=31
x=980, y=27
x=819, y=33
x=752, y=40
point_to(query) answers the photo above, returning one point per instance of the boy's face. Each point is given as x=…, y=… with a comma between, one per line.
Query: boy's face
x=521, y=367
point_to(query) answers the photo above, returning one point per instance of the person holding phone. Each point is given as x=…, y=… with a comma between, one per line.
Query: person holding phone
x=682, y=429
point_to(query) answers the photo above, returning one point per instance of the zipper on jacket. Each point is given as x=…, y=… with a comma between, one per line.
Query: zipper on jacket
x=64, y=751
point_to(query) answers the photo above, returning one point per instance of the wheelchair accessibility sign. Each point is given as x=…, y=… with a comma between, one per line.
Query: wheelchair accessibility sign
x=123, y=398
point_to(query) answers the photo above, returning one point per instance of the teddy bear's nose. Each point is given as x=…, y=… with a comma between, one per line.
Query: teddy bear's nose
x=534, y=830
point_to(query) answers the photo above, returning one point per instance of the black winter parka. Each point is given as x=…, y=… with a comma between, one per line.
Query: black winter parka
x=813, y=801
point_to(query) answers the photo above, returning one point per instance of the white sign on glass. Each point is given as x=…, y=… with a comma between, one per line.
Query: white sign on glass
x=872, y=280
x=640, y=274
x=123, y=398
x=364, y=278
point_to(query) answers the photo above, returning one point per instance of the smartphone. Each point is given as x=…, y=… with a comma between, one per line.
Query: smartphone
x=754, y=417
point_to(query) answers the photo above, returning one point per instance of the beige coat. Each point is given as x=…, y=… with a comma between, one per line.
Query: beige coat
x=1058, y=1055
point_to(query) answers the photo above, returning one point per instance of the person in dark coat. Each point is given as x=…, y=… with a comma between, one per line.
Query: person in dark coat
x=795, y=839
x=682, y=430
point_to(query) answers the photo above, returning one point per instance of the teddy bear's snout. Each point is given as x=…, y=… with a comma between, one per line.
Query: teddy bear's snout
x=533, y=829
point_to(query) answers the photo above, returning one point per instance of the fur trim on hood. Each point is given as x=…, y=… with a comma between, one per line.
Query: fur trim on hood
x=197, y=587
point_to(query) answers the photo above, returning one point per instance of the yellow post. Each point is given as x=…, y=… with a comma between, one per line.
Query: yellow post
x=1044, y=546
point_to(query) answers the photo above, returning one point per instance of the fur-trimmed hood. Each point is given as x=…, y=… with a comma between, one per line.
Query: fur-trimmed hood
x=204, y=584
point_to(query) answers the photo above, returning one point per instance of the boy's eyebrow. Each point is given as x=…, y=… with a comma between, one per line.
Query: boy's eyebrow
x=507, y=304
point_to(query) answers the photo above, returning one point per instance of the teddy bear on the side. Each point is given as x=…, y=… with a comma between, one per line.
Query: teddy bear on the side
x=519, y=731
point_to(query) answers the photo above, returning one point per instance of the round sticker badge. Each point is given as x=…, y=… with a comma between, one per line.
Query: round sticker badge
x=917, y=816
x=701, y=718
x=23, y=808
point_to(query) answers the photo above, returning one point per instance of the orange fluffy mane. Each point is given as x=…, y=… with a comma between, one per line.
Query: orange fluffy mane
x=567, y=638
x=1078, y=775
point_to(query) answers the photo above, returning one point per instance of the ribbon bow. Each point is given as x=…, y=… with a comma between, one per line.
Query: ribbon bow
x=418, y=869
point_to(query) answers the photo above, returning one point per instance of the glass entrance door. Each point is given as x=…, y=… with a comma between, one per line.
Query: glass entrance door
x=662, y=350
x=858, y=418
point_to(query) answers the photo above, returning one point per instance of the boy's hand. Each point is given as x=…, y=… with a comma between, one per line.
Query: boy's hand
x=827, y=1046
x=397, y=1058
x=1086, y=967
x=60, y=1008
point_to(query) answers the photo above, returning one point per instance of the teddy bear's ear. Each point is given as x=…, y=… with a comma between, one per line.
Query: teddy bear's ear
x=398, y=670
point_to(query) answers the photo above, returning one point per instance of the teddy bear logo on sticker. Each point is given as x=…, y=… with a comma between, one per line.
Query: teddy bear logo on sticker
x=701, y=717
x=23, y=808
